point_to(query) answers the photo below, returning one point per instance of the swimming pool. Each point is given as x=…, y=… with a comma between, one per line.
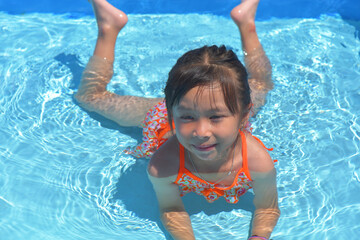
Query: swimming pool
x=63, y=174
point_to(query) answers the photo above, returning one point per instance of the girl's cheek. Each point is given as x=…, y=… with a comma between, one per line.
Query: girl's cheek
x=183, y=130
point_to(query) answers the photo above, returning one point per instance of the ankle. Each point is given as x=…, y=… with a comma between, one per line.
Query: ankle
x=107, y=30
x=247, y=27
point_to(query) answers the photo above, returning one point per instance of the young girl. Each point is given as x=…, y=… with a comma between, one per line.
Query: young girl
x=208, y=147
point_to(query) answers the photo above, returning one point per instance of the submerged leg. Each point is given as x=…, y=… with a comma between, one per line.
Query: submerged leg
x=256, y=61
x=92, y=93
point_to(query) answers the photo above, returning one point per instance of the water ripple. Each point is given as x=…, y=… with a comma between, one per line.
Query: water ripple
x=63, y=173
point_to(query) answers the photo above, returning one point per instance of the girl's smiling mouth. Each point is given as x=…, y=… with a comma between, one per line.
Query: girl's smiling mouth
x=204, y=148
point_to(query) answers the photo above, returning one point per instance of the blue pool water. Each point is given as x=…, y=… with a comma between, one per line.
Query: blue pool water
x=63, y=173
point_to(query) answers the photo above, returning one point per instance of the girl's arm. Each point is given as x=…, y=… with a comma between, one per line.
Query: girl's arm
x=173, y=215
x=266, y=203
x=263, y=174
x=162, y=171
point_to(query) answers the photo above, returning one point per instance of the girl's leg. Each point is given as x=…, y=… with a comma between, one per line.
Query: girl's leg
x=92, y=93
x=110, y=21
x=244, y=17
x=257, y=63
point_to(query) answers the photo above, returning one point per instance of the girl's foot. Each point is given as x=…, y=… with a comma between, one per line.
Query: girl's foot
x=110, y=20
x=244, y=15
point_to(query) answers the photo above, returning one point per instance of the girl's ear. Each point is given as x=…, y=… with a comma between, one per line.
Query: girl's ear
x=245, y=119
x=248, y=115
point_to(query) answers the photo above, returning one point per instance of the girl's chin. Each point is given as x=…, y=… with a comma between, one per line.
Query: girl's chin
x=209, y=155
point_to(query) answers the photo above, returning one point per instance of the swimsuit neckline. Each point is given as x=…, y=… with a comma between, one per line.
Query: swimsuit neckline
x=243, y=169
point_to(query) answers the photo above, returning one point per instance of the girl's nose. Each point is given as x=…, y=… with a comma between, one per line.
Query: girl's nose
x=202, y=129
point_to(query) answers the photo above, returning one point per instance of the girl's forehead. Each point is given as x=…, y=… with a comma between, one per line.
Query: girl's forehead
x=208, y=98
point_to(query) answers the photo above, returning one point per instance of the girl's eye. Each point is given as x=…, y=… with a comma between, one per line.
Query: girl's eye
x=216, y=117
x=186, y=118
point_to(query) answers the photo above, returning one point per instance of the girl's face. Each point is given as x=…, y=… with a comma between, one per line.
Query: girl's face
x=204, y=125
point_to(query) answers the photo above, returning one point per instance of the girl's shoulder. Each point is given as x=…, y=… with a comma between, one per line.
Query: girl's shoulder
x=259, y=159
x=165, y=161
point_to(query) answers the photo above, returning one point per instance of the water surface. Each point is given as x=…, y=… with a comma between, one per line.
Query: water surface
x=63, y=173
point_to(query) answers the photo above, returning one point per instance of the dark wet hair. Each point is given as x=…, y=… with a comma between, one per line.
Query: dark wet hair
x=207, y=66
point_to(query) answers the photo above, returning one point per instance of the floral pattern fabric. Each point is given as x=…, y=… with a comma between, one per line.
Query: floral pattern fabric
x=154, y=126
x=212, y=192
x=188, y=182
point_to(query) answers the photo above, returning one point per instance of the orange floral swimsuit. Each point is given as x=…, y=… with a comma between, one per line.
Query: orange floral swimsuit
x=188, y=182
x=156, y=125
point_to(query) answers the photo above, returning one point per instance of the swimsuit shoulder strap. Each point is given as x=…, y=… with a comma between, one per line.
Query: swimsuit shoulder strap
x=244, y=155
x=181, y=162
